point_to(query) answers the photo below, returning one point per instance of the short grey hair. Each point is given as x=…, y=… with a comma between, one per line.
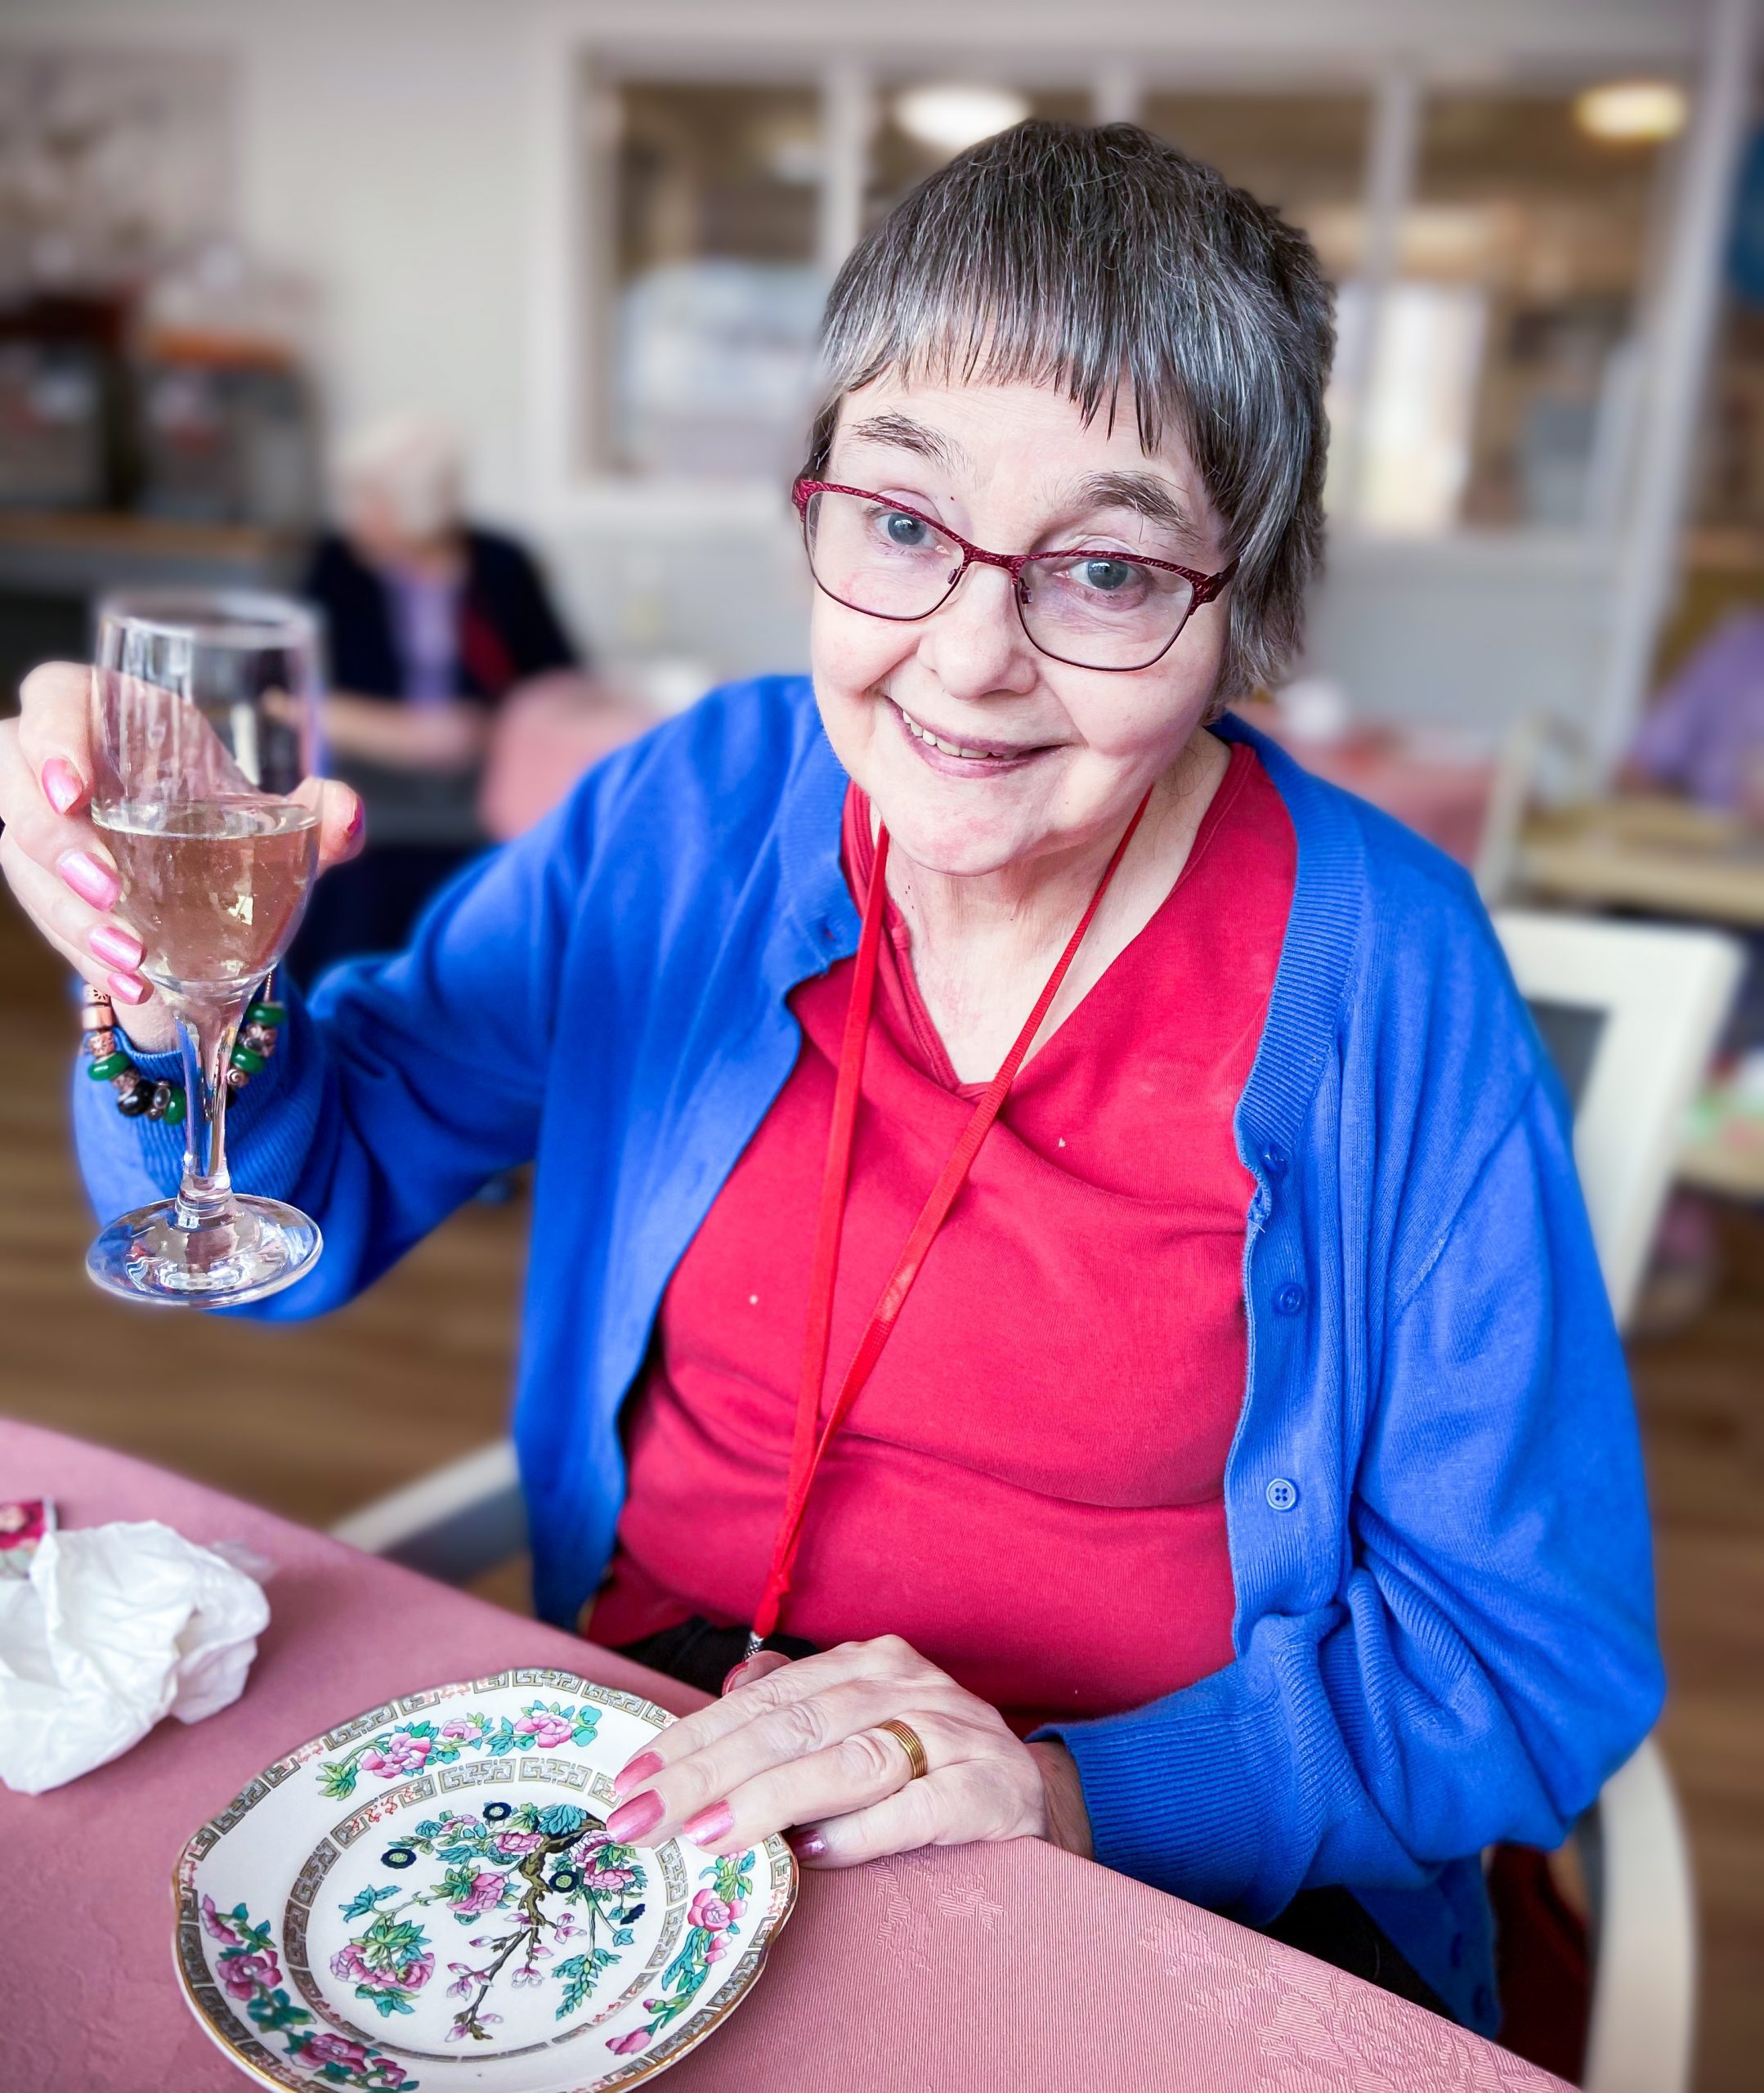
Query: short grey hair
x=1089, y=257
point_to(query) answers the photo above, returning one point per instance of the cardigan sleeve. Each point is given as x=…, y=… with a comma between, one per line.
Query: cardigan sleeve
x=399, y=1087
x=1490, y=1656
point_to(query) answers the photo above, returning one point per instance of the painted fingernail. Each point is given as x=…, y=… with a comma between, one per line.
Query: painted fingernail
x=62, y=785
x=709, y=1824
x=121, y=947
x=732, y=1674
x=90, y=880
x=806, y=1846
x=632, y=1819
x=640, y=1769
x=355, y=820
x=129, y=989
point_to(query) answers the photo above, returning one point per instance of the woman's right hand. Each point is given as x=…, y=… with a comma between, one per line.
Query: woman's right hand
x=58, y=866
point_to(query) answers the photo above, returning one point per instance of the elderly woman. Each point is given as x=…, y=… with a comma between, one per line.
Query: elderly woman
x=431, y=623
x=1054, y=1217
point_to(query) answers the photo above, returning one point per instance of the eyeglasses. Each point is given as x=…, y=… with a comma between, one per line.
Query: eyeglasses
x=1088, y=606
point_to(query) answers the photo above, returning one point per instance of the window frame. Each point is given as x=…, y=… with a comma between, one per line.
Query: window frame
x=585, y=55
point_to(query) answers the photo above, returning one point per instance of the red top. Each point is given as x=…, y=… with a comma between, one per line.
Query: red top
x=971, y=1504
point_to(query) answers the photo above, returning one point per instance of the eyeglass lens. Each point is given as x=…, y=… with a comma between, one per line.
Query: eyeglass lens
x=1101, y=610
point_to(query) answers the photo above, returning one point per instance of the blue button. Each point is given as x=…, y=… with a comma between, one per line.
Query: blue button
x=1289, y=1299
x=1282, y=1495
x=1274, y=1160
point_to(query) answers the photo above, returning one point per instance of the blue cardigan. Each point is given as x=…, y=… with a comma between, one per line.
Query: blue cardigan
x=1444, y=1627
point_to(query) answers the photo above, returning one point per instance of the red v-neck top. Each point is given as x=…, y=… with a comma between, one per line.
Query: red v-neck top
x=1030, y=1488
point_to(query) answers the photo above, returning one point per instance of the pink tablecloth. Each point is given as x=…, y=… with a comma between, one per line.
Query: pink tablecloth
x=1010, y=1967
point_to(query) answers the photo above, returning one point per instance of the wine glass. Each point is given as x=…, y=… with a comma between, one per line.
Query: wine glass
x=203, y=726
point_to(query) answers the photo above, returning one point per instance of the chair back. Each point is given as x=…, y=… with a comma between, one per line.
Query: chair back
x=1630, y=1014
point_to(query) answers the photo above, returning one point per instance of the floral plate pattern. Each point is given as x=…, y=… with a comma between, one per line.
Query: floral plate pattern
x=427, y=1897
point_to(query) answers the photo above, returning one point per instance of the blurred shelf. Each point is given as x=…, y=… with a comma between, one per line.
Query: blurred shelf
x=1735, y=1173
x=1725, y=549
x=1658, y=854
x=72, y=552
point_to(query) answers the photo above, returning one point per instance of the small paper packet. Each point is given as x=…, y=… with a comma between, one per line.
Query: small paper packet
x=23, y=1521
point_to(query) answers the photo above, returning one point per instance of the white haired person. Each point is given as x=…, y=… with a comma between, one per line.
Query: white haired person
x=1053, y=1228
x=431, y=623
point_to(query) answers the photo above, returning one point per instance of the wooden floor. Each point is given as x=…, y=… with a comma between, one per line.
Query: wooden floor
x=315, y=1419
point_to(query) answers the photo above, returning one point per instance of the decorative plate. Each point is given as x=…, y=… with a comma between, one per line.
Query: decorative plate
x=426, y=1897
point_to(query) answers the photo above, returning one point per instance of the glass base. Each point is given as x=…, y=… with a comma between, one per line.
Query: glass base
x=145, y=1256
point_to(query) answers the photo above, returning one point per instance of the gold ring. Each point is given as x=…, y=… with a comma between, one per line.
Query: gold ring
x=907, y=1738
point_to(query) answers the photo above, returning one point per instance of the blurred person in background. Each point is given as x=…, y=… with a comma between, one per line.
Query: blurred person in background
x=1703, y=735
x=431, y=623
x=1247, y=1492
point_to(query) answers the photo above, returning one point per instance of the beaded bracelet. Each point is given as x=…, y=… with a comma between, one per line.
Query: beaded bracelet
x=138, y=1097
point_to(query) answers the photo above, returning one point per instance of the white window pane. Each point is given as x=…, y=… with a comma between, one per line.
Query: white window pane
x=1544, y=225
x=923, y=124
x=717, y=293
x=1303, y=155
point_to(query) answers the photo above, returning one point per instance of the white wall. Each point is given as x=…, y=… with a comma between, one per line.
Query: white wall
x=411, y=157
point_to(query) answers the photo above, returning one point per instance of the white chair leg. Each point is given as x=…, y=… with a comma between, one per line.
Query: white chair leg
x=462, y=1519
x=1643, y=1934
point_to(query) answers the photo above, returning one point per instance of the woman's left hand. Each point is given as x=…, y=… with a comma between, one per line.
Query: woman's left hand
x=797, y=1745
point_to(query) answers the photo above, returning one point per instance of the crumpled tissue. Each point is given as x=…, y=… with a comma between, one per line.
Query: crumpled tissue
x=116, y=1626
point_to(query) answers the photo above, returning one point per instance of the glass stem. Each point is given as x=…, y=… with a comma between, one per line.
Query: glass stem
x=205, y=1034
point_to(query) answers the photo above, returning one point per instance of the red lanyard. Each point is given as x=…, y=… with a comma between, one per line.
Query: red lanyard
x=809, y=1446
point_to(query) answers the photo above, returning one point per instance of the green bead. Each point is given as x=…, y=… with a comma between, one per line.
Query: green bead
x=174, y=1110
x=112, y=1064
x=269, y=1014
x=250, y=1061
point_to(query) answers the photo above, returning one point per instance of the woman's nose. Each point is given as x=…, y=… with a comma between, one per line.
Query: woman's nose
x=975, y=643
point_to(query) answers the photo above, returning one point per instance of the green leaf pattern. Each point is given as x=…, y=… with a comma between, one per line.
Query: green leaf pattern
x=251, y=1975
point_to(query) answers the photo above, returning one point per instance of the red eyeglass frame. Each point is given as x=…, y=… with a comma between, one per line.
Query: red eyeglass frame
x=1205, y=586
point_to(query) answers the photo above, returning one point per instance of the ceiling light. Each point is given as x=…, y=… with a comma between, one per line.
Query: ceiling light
x=1632, y=111
x=955, y=115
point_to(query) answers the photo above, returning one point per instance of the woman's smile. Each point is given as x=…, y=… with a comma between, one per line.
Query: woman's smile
x=970, y=756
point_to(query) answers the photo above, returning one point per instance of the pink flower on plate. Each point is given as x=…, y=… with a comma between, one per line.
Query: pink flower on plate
x=325, y=2048
x=519, y=1842
x=546, y=1731
x=401, y=1754
x=485, y=1894
x=718, y=1949
x=526, y=1976
x=466, y=1727
x=407, y=1976
x=243, y=1974
x=625, y=2046
x=708, y=1910
x=223, y=1929
x=611, y=1878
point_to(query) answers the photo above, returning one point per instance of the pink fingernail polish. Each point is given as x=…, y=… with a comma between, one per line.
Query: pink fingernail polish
x=632, y=1819
x=806, y=1846
x=732, y=1674
x=90, y=880
x=129, y=989
x=355, y=820
x=62, y=785
x=709, y=1824
x=121, y=947
x=641, y=1768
